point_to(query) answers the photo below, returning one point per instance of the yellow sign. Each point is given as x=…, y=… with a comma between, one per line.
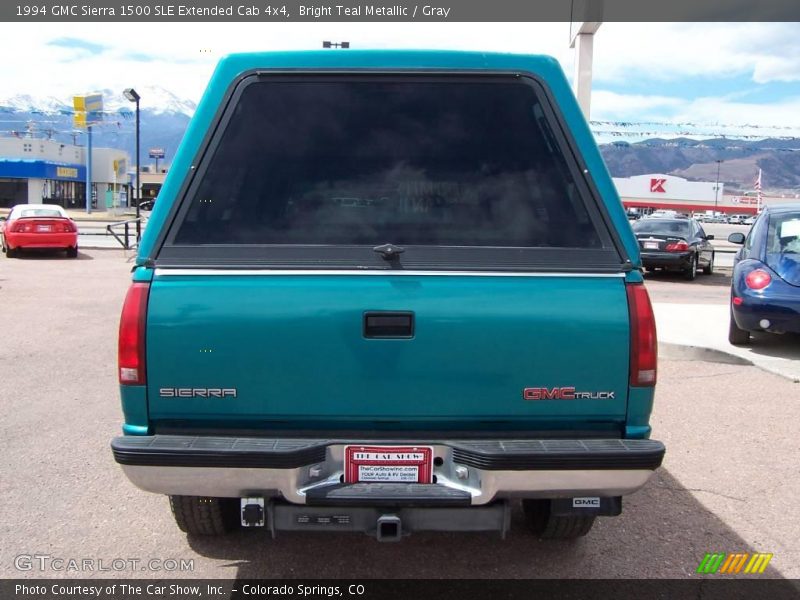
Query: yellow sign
x=120, y=166
x=88, y=110
x=68, y=172
x=89, y=103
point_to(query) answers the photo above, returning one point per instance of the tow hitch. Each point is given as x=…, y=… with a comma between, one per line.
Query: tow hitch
x=252, y=512
x=390, y=528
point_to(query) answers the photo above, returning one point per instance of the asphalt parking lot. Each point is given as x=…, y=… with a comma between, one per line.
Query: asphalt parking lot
x=729, y=481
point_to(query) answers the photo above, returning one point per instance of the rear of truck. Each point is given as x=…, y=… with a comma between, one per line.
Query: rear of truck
x=388, y=292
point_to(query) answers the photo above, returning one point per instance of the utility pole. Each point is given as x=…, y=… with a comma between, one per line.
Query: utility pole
x=716, y=189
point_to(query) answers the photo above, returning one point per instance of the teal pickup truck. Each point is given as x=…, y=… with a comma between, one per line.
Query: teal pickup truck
x=387, y=292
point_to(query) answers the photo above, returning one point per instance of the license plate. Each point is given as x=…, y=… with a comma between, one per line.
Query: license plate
x=406, y=464
x=651, y=245
x=43, y=228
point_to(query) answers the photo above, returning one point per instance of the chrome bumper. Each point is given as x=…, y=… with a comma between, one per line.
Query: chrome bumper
x=296, y=470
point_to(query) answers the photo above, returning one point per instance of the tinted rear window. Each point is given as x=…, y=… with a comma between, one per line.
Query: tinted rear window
x=358, y=161
x=26, y=213
x=666, y=227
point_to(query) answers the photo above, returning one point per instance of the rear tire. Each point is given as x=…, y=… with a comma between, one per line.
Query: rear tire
x=72, y=252
x=737, y=336
x=541, y=522
x=12, y=252
x=691, y=272
x=709, y=270
x=197, y=515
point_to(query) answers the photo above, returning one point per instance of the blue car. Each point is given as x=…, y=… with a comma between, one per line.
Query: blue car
x=765, y=289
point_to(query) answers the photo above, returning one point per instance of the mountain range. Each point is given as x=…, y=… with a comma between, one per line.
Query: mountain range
x=165, y=115
x=697, y=160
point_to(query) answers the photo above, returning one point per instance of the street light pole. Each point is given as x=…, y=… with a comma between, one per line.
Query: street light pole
x=716, y=188
x=89, y=170
x=132, y=96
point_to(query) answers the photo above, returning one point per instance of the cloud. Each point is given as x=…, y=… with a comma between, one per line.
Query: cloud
x=615, y=106
x=777, y=68
x=783, y=114
x=633, y=117
x=187, y=53
x=642, y=71
x=663, y=52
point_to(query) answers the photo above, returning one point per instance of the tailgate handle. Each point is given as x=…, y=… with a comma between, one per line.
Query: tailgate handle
x=388, y=324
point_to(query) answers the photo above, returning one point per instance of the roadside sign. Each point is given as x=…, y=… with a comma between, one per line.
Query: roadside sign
x=88, y=110
x=156, y=153
x=120, y=166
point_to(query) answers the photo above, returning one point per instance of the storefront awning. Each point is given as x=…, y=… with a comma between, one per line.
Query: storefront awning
x=17, y=168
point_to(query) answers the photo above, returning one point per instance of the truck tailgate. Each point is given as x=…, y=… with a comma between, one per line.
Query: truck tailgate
x=295, y=350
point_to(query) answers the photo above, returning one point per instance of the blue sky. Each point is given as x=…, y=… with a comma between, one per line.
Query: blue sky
x=71, y=43
x=712, y=74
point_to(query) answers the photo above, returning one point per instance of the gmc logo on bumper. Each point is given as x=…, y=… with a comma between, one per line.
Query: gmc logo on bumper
x=563, y=393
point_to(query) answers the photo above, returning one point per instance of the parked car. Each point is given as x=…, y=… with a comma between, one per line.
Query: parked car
x=662, y=214
x=765, y=287
x=675, y=245
x=749, y=220
x=31, y=226
x=388, y=292
x=737, y=219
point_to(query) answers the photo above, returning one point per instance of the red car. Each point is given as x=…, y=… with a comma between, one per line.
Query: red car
x=39, y=226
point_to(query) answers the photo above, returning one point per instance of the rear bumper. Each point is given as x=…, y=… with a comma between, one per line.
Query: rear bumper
x=669, y=260
x=40, y=240
x=308, y=471
x=782, y=312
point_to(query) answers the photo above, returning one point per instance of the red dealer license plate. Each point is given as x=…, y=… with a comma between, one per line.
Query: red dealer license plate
x=406, y=464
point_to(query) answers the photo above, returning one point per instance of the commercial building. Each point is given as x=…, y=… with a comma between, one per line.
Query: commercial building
x=151, y=181
x=647, y=193
x=37, y=171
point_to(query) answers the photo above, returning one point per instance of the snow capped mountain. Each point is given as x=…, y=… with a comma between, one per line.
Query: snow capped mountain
x=155, y=99
x=28, y=103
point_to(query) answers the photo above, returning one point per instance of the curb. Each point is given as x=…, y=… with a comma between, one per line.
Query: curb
x=118, y=248
x=686, y=352
x=672, y=351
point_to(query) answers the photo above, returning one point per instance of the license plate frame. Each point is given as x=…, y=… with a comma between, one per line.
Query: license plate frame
x=650, y=245
x=368, y=463
x=44, y=228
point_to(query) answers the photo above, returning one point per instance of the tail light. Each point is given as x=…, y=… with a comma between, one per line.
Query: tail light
x=21, y=227
x=677, y=247
x=132, y=328
x=67, y=227
x=758, y=279
x=644, y=347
